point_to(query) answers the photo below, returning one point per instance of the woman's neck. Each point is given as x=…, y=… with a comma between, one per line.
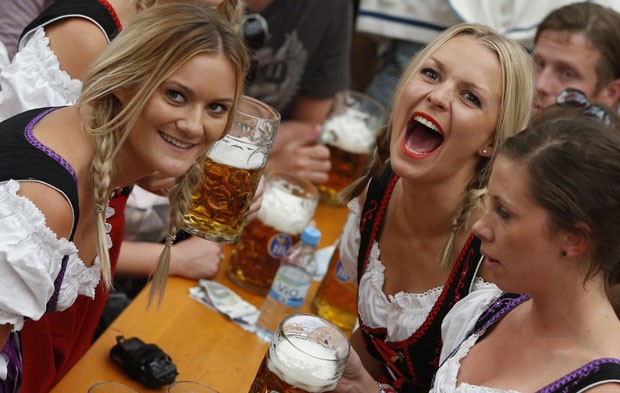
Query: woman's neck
x=427, y=210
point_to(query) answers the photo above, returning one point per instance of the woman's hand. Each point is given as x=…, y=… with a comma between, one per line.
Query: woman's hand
x=195, y=258
x=355, y=378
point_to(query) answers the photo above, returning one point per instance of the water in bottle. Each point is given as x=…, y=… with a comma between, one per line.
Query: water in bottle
x=291, y=283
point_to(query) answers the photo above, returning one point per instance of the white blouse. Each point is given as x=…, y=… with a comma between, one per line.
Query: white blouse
x=401, y=314
x=30, y=260
x=34, y=79
x=454, y=330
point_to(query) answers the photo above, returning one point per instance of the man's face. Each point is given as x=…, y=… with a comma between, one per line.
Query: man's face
x=567, y=60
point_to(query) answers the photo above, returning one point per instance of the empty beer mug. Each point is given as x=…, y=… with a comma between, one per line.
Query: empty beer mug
x=349, y=132
x=110, y=387
x=306, y=354
x=190, y=387
x=232, y=170
x=288, y=206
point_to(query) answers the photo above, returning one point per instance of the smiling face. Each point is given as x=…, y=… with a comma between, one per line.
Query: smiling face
x=182, y=118
x=566, y=60
x=518, y=243
x=447, y=113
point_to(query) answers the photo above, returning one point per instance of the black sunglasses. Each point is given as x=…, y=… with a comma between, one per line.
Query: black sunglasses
x=575, y=98
x=255, y=31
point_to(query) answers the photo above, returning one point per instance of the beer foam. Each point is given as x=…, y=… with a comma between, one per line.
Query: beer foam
x=284, y=212
x=299, y=362
x=238, y=153
x=349, y=132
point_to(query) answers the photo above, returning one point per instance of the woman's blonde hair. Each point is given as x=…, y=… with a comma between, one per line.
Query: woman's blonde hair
x=149, y=51
x=517, y=94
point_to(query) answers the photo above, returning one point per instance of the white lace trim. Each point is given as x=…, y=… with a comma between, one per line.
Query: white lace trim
x=30, y=255
x=446, y=378
x=34, y=79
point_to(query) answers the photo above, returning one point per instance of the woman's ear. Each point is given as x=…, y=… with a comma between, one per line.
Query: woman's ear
x=486, y=151
x=575, y=242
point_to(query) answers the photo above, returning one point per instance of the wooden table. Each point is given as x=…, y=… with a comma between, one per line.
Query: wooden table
x=204, y=345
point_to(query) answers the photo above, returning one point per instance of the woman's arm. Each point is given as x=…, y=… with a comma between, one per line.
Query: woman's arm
x=76, y=42
x=357, y=377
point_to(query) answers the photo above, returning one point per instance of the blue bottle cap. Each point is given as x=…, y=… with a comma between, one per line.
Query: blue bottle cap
x=311, y=236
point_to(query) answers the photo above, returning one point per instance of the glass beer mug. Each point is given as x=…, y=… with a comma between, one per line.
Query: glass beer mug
x=349, y=132
x=232, y=170
x=288, y=206
x=335, y=300
x=306, y=354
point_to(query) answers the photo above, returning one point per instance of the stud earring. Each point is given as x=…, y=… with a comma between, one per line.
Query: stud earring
x=484, y=152
x=563, y=253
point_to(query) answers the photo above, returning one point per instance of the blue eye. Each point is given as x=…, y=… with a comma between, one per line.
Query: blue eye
x=175, y=96
x=430, y=73
x=218, y=108
x=473, y=99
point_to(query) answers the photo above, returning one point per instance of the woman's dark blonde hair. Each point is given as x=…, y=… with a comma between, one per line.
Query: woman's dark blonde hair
x=517, y=94
x=159, y=41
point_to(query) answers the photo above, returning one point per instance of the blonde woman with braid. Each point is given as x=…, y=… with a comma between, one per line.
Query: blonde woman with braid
x=54, y=51
x=409, y=234
x=155, y=100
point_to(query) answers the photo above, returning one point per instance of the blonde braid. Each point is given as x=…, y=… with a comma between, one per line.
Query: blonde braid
x=472, y=201
x=180, y=197
x=101, y=172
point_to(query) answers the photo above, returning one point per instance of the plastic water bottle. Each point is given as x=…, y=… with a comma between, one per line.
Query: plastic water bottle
x=290, y=285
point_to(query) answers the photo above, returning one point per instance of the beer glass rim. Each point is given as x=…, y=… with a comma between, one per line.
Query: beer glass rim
x=267, y=107
x=110, y=383
x=344, y=355
x=195, y=383
x=365, y=96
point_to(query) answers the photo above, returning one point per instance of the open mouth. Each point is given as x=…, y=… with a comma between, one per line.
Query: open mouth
x=175, y=142
x=423, y=137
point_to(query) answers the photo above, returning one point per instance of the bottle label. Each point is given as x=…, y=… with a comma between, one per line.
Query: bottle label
x=290, y=286
x=341, y=273
x=279, y=244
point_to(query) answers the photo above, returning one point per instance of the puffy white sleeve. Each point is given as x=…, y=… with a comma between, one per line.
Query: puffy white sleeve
x=34, y=79
x=462, y=318
x=30, y=258
x=350, y=240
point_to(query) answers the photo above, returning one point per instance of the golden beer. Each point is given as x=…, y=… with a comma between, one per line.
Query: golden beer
x=349, y=132
x=346, y=168
x=232, y=171
x=218, y=207
x=335, y=300
x=287, y=208
x=306, y=355
x=255, y=260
